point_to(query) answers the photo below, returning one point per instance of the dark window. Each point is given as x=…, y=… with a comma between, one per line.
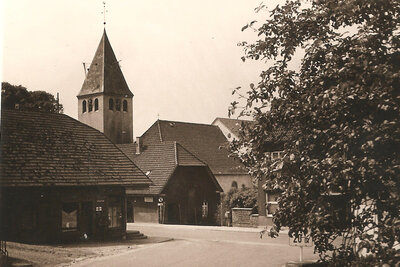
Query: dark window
x=84, y=106
x=339, y=210
x=90, y=105
x=69, y=217
x=276, y=155
x=118, y=104
x=96, y=104
x=271, y=202
x=125, y=105
x=111, y=104
x=234, y=184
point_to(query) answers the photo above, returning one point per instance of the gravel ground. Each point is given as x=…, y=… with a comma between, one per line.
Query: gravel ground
x=64, y=255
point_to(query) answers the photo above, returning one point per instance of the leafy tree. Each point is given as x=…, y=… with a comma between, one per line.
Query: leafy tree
x=339, y=112
x=28, y=100
x=240, y=198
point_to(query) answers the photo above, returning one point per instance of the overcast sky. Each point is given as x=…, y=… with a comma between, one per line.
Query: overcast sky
x=179, y=57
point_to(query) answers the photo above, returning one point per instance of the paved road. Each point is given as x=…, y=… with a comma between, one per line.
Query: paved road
x=197, y=246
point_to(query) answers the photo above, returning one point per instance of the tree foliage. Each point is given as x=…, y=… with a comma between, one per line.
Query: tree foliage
x=240, y=198
x=12, y=95
x=340, y=115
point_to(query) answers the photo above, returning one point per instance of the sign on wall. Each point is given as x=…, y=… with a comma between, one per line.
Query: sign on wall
x=148, y=199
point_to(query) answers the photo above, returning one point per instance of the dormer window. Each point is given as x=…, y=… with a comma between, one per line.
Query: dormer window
x=90, y=105
x=118, y=104
x=125, y=106
x=111, y=104
x=83, y=106
x=96, y=104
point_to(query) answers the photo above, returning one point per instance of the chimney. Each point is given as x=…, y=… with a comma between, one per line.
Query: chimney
x=138, y=146
x=16, y=106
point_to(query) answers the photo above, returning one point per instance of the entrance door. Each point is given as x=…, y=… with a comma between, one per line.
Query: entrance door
x=86, y=219
x=172, y=213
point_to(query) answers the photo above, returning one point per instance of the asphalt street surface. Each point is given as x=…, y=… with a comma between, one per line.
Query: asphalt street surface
x=205, y=246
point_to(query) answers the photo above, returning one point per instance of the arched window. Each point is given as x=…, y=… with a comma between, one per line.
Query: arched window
x=111, y=104
x=125, y=105
x=96, y=104
x=84, y=106
x=234, y=184
x=90, y=105
x=118, y=104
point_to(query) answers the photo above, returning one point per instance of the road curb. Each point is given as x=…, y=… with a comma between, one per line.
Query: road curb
x=210, y=228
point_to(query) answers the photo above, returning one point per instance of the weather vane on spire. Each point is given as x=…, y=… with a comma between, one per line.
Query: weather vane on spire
x=104, y=12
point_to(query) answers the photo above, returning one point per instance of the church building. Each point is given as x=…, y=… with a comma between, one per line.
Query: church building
x=105, y=103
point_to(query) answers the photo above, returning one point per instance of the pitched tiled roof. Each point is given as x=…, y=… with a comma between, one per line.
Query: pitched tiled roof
x=160, y=160
x=205, y=141
x=46, y=149
x=234, y=125
x=105, y=75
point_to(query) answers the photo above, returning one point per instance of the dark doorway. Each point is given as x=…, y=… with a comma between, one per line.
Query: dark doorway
x=129, y=211
x=86, y=219
x=172, y=213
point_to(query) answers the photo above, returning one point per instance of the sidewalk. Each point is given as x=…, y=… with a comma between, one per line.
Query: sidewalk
x=203, y=227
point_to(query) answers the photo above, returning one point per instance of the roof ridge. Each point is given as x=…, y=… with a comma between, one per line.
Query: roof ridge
x=104, y=63
x=159, y=130
x=221, y=118
x=184, y=122
x=176, y=153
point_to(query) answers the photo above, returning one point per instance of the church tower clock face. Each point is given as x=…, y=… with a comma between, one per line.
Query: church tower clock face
x=105, y=100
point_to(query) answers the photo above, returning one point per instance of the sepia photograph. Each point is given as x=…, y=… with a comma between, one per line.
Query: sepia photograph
x=200, y=133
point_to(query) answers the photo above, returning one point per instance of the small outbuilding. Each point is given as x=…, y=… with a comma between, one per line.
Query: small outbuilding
x=184, y=189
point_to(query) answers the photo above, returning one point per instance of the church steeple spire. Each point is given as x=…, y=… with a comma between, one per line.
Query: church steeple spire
x=105, y=75
x=105, y=101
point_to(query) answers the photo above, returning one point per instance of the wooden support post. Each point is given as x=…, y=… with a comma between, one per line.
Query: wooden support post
x=180, y=215
x=301, y=254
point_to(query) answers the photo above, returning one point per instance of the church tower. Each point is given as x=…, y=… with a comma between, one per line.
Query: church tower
x=105, y=101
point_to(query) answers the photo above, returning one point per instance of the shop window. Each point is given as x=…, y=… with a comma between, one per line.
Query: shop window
x=111, y=104
x=90, y=105
x=271, y=203
x=84, y=106
x=69, y=217
x=118, y=104
x=125, y=106
x=96, y=104
x=114, y=213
